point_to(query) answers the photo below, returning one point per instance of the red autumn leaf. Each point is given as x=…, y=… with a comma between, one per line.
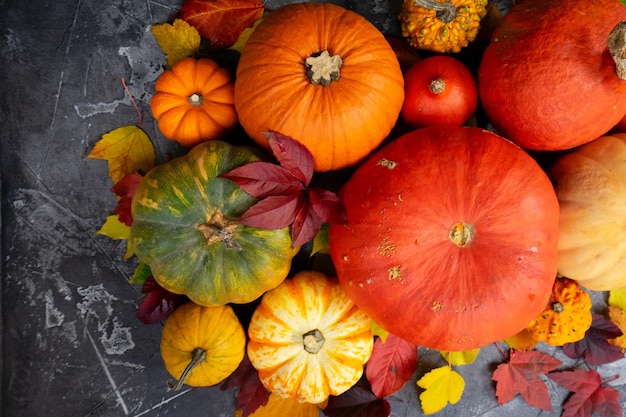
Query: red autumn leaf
x=157, y=303
x=327, y=206
x=292, y=155
x=595, y=348
x=589, y=394
x=274, y=212
x=305, y=225
x=221, y=21
x=391, y=365
x=125, y=189
x=358, y=401
x=284, y=194
x=251, y=393
x=263, y=179
x=521, y=375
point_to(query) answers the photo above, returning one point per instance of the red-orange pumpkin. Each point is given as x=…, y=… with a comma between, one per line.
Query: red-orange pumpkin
x=451, y=240
x=547, y=80
x=323, y=75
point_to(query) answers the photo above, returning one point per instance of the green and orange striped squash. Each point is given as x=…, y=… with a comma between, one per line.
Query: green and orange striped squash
x=184, y=227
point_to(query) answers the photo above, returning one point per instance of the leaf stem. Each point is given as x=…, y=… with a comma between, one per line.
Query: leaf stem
x=132, y=100
x=501, y=351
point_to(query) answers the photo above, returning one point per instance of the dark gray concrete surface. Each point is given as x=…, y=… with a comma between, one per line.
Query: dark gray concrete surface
x=71, y=342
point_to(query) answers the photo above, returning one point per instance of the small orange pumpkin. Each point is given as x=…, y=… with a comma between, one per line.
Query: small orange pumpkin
x=202, y=346
x=323, y=75
x=193, y=102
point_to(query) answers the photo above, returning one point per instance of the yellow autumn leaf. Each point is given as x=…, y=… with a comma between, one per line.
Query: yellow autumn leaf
x=127, y=149
x=378, y=331
x=523, y=340
x=244, y=36
x=320, y=242
x=441, y=386
x=460, y=358
x=618, y=317
x=617, y=298
x=177, y=41
x=277, y=406
x=116, y=230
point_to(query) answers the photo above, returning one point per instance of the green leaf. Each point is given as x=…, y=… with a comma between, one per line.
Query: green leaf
x=320, y=242
x=141, y=274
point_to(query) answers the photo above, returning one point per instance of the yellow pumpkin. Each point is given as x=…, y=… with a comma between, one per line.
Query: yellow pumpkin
x=202, y=346
x=441, y=26
x=308, y=340
x=567, y=316
x=194, y=102
x=590, y=183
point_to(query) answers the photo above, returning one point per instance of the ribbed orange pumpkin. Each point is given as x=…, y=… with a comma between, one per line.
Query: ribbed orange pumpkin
x=323, y=75
x=193, y=102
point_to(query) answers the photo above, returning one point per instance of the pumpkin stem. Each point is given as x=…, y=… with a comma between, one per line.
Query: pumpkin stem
x=197, y=357
x=218, y=229
x=557, y=307
x=617, y=47
x=446, y=11
x=195, y=99
x=462, y=234
x=437, y=86
x=323, y=68
x=313, y=341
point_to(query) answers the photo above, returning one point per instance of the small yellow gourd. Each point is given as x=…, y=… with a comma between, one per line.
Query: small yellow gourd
x=202, y=346
x=308, y=340
x=567, y=316
x=441, y=26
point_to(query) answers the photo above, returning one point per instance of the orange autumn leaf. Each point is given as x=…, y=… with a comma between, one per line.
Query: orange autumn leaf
x=277, y=406
x=618, y=316
x=221, y=21
x=127, y=149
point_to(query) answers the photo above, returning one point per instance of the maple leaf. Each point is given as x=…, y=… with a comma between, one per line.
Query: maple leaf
x=379, y=331
x=521, y=375
x=283, y=191
x=589, y=394
x=391, y=365
x=251, y=393
x=358, y=401
x=125, y=189
x=127, y=149
x=116, y=230
x=177, y=40
x=441, y=386
x=595, y=348
x=244, y=36
x=221, y=21
x=157, y=303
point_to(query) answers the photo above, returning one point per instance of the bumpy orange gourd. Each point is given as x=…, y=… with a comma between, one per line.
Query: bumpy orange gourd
x=193, y=102
x=308, y=340
x=590, y=183
x=202, y=346
x=567, y=316
x=441, y=26
x=323, y=75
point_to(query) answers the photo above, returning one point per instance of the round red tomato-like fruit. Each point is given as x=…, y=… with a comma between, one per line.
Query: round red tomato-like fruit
x=451, y=241
x=439, y=90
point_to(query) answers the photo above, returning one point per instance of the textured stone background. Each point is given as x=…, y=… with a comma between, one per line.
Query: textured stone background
x=72, y=345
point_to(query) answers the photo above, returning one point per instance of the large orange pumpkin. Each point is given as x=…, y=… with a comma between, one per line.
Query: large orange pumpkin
x=547, y=80
x=451, y=240
x=323, y=75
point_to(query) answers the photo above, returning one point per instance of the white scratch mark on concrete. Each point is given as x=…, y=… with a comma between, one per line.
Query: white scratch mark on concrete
x=119, y=341
x=54, y=317
x=107, y=372
x=162, y=403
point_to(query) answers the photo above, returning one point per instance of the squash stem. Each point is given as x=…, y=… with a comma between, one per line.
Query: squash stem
x=437, y=86
x=219, y=229
x=313, y=341
x=446, y=11
x=197, y=357
x=323, y=68
x=617, y=48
